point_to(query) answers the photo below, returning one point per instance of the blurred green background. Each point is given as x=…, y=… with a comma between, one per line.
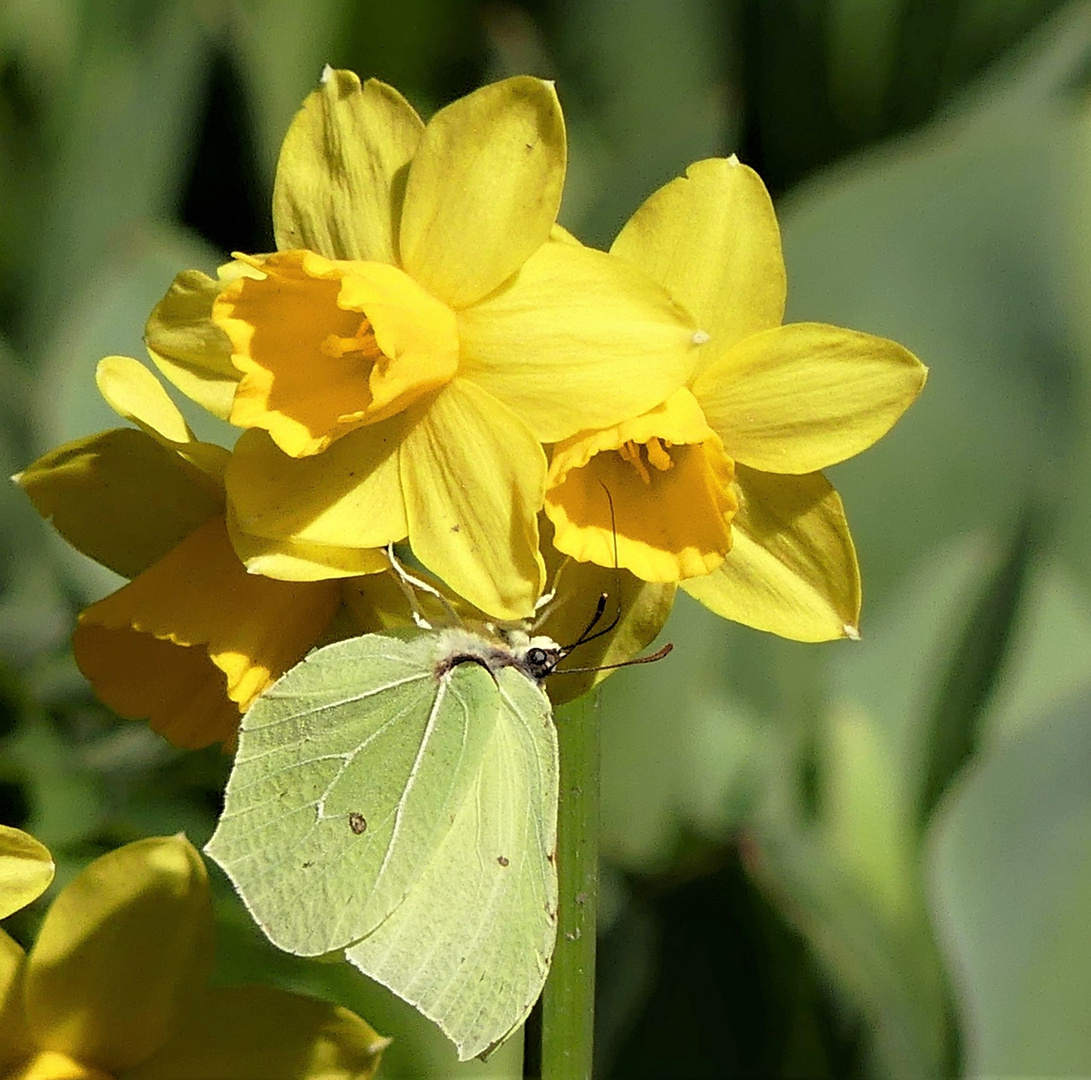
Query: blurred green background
x=850, y=860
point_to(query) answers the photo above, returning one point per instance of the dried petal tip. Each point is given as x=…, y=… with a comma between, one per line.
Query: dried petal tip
x=851, y=632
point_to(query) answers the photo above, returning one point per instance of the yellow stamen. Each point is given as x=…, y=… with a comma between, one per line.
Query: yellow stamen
x=362, y=342
x=657, y=455
x=656, y=452
x=630, y=452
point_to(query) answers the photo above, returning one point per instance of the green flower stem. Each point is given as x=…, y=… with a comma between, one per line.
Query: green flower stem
x=568, y=1002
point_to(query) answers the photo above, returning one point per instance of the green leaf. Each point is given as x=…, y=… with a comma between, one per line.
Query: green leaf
x=396, y=798
x=973, y=668
x=1010, y=852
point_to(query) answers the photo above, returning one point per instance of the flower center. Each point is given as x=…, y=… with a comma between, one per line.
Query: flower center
x=326, y=347
x=362, y=344
x=654, y=450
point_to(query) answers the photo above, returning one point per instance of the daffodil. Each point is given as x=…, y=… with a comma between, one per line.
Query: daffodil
x=719, y=488
x=419, y=333
x=115, y=987
x=193, y=638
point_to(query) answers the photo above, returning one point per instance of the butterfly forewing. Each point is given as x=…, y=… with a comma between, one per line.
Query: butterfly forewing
x=348, y=776
x=470, y=946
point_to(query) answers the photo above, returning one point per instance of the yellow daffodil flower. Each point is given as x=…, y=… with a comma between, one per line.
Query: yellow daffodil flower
x=115, y=988
x=416, y=337
x=719, y=487
x=193, y=638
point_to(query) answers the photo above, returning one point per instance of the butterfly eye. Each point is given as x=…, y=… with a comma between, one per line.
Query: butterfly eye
x=537, y=657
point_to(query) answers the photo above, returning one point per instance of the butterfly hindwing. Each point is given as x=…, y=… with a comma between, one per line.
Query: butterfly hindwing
x=470, y=947
x=348, y=773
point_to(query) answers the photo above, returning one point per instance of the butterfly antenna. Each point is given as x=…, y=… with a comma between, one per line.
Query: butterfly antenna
x=651, y=658
x=407, y=583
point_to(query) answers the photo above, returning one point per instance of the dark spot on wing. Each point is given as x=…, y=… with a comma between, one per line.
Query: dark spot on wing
x=357, y=822
x=502, y=860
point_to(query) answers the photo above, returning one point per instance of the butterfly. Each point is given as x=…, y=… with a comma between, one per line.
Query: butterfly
x=394, y=798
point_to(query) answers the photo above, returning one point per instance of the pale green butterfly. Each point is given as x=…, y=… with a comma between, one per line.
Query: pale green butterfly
x=395, y=796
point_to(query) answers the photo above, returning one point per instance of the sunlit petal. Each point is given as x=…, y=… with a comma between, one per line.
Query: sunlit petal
x=577, y=340
x=349, y=496
x=293, y=560
x=711, y=239
x=121, y=497
x=26, y=869
x=188, y=348
x=15, y=1044
x=804, y=396
x=194, y=639
x=484, y=188
x=792, y=568
x=342, y=167
x=474, y=476
x=120, y=954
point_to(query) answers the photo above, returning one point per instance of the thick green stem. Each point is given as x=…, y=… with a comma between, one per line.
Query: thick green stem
x=568, y=1003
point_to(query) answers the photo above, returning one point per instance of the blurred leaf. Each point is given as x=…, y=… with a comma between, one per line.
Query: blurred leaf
x=850, y=882
x=65, y=797
x=122, y=137
x=1047, y=661
x=892, y=674
x=282, y=46
x=973, y=666
x=645, y=95
x=681, y=755
x=889, y=970
x=1010, y=890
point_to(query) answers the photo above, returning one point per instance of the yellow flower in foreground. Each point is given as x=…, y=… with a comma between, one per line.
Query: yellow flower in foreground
x=115, y=986
x=419, y=333
x=719, y=488
x=193, y=638
x=26, y=869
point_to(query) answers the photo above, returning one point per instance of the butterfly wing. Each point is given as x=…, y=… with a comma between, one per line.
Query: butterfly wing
x=349, y=772
x=471, y=944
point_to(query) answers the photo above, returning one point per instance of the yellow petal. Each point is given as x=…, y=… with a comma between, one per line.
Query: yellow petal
x=188, y=348
x=483, y=189
x=15, y=1044
x=577, y=340
x=26, y=869
x=194, y=639
x=258, y=1033
x=652, y=493
x=49, y=1065
x=711, y=239
x=292, y=560
x=135, y=394
x=473, y=477
x=327, y=347
x=120, y=953
x=792, y=568
x=121, y=497
x=804, y=396
x=341, y=171
x=349, y=496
